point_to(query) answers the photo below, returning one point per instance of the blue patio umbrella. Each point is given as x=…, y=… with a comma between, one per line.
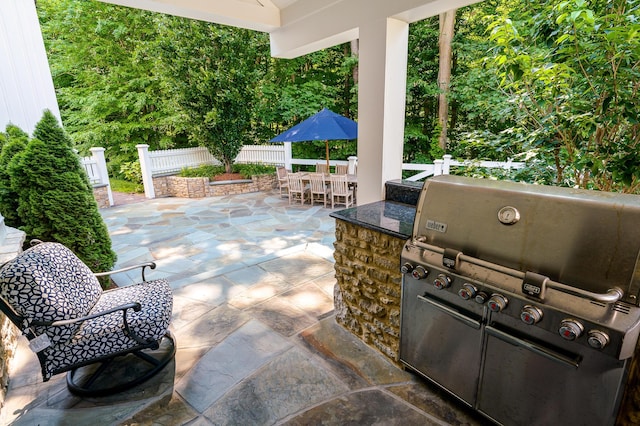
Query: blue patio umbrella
x=325, y=125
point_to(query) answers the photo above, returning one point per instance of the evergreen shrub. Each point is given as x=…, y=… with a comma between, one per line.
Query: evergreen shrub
x=55, y=198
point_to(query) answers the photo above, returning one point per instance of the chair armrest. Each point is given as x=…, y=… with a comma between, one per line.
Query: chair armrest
x=124, y=308
x=134, y=305
x=151, y=265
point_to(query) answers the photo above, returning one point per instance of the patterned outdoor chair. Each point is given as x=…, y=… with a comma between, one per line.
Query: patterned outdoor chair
x=76, y=327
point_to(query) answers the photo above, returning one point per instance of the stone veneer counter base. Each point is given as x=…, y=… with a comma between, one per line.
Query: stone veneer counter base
x=369, y=241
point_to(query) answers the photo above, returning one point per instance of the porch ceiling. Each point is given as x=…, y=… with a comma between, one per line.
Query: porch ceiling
x=298, y=27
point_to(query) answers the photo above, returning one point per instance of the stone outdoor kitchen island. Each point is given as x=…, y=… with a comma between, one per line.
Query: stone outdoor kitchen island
x=369, y=241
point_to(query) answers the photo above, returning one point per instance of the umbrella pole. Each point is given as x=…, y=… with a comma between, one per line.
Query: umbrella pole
x=326, y=145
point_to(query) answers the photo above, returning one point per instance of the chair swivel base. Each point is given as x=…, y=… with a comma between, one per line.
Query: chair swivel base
x=108, y=378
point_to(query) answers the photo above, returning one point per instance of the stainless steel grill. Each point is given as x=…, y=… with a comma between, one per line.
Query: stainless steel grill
x=522, y=300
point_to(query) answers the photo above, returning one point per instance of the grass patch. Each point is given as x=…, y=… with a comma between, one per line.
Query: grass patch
x=121, y=185
x=246, y=170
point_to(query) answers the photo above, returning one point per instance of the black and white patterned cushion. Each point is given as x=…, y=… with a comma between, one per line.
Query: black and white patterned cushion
x=106, y=335
x=48, y=283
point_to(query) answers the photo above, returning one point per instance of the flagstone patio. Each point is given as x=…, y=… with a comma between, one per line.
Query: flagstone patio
x=253, y=318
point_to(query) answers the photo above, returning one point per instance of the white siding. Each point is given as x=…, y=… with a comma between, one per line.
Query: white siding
x=26, y=86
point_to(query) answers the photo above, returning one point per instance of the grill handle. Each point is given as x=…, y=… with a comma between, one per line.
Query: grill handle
x=540, y=350
x=612, y=295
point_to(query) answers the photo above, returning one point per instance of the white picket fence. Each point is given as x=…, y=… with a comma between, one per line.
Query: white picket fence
x=263, y=154
x=169, y=161
x=173, y=160
x=91, y=167
x=96, y=168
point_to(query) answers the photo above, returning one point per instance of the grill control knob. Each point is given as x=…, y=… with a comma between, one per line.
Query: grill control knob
x=497, y=303
x=406, y=268
x=598, y=339
x=531, y=314
x=570, y=329
x=442, y=282
x=481, y=297
x=468, y=291
x=419, y=273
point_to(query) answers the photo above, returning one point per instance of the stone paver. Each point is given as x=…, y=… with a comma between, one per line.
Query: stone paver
x=256, y=339
x=235, y=358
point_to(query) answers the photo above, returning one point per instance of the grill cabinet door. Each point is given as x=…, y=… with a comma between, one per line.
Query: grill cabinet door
x=526, y=383
x=439, y=341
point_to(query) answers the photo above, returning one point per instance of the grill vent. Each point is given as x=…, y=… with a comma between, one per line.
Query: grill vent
x=622, y=308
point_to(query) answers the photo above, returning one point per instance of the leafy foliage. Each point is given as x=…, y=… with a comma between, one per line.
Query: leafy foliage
x=245, y=170
x=571, y=69
x=212, y=73
x=14, y=141
x=552, y=82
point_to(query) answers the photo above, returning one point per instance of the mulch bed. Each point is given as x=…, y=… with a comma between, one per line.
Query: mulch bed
x=227, y=176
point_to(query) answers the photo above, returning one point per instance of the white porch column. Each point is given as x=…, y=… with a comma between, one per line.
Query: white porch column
x=145, y=167
x=381, y=105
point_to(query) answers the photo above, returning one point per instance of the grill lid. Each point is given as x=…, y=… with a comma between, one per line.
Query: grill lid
x=585, y=239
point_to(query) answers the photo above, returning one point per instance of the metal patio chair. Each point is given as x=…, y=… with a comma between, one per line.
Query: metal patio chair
x=74, y=326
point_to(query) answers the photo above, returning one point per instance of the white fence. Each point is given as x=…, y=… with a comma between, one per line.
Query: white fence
x=173, y=160
x=265, y=154
x=96, y=168
x=91, y=167
x=443, y=167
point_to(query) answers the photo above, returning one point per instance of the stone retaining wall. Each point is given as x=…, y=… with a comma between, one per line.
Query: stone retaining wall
x=198, y=187
x=101, y=194
x=10, y=247
x=367, y=292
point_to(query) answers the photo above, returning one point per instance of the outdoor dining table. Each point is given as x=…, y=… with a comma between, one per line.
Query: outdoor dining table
x=351, y=179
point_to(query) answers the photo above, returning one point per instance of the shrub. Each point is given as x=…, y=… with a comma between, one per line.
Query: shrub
x=245, y=170
x=202, y=171
x=248, y=170
x=14, y=142
x=55, y=198
x=131, y=171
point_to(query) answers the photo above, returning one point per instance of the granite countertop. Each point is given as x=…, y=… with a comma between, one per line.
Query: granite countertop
x=389, y=217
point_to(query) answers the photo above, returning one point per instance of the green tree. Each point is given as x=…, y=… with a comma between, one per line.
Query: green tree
x=213, y=71
x=571, y=69
x=295, y=89
x=106, y=76
x=55, y=200
x=14, y=141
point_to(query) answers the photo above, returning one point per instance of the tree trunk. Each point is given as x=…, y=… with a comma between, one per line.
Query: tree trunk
x=355, y=52
x=447, y=24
